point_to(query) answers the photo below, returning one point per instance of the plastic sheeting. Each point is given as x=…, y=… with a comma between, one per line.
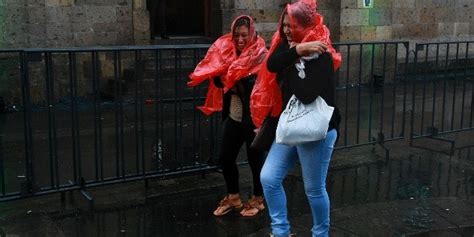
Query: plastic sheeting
x=222, y=61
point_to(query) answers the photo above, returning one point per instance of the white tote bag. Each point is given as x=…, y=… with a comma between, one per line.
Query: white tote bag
x=301, y=123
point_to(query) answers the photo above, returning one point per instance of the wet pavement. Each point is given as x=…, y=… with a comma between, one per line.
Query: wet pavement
x=418, y=192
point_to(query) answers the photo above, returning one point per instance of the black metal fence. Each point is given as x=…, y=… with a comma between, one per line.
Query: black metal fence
x=77, y=118
x=89, y=117
x=371, y=94
x=442, y=85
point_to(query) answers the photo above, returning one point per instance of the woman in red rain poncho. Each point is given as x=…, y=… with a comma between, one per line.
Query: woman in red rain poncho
x=301, y=62
x=231, y=64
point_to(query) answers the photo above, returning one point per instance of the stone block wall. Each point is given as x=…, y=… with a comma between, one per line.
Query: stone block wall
x=66, y=23
x=267, y=14
x=70, y=23
x=413, y=20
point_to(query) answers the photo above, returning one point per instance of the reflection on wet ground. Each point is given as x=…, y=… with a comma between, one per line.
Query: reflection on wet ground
x=422, y=196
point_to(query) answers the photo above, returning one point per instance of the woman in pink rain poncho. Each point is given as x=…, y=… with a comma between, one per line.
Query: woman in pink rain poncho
x=301, y=62
x=231, y=65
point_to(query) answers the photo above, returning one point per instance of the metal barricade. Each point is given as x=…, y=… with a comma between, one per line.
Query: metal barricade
x=442, y=99
x=372, y=92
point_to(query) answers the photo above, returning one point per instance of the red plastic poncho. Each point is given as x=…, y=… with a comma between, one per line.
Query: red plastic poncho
x=306, y=25
x=222, y=61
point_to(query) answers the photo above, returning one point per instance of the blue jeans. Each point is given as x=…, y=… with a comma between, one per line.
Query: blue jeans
x=314, y=159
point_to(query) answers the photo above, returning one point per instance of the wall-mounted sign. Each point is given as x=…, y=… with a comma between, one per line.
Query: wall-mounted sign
x=367, y=3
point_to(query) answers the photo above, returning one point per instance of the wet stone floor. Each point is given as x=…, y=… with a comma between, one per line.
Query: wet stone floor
x=416, y=196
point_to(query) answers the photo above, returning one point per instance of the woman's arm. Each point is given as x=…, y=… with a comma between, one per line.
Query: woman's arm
x=318, y=74
x=285, y=56
x=282, y=58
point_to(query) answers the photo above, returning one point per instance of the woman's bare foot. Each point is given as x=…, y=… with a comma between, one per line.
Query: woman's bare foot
x=227, y=204
x=253, y=206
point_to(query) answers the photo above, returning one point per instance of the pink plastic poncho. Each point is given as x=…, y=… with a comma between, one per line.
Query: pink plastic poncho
x=306, y=25
x=222, y=61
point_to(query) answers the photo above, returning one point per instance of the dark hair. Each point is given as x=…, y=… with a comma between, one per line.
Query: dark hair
x=282, y=34
x=243, y=21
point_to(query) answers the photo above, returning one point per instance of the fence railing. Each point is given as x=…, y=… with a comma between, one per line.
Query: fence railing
x=89, y=117
x=85, y=117
x=442, y=85
x=371, y=94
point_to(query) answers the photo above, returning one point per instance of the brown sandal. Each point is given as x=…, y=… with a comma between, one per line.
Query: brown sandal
x=253, y=207
x=226, y=205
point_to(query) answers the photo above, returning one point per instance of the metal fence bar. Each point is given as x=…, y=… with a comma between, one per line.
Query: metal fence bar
x=359, y=93
x=135, y=106
x=121, y=163
x=117, y=99
x=74, y=116
x=99, y=175
x=196, y=134
x=53, y=163
x=156, y=141
x=453, y=105
x=407, y=55
x=435, y=87
x=26, y=98
x=472, y=87
x=464, y=87
x=179, y=87
x=176, y=94
x=371, y=86
x=424, y=90
x=394, y=93
x=444, y=87
x=160, y=148
x=347, y=93
x=142, y=122
x=383, y=91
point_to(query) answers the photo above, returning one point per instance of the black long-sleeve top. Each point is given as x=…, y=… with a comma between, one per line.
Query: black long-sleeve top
x=319, y=80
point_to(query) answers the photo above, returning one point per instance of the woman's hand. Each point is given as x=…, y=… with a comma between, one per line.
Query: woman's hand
x=293, y=44
x=308, y=48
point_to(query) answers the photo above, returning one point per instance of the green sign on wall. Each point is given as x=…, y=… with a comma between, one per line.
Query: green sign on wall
x=367, y=3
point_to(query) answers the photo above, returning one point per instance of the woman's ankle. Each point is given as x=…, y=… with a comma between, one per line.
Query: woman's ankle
x=234, y=196
x=258, y=197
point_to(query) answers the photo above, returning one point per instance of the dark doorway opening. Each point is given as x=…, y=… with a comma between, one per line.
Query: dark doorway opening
x=189, y=18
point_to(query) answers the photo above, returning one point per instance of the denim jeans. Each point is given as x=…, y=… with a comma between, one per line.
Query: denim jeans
x=314, y=159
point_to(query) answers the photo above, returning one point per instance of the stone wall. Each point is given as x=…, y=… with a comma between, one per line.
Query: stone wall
x=414, y=20
x=267, y=14
x=68, y=23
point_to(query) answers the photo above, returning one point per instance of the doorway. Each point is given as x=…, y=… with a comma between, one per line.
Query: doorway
x=188, y=18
